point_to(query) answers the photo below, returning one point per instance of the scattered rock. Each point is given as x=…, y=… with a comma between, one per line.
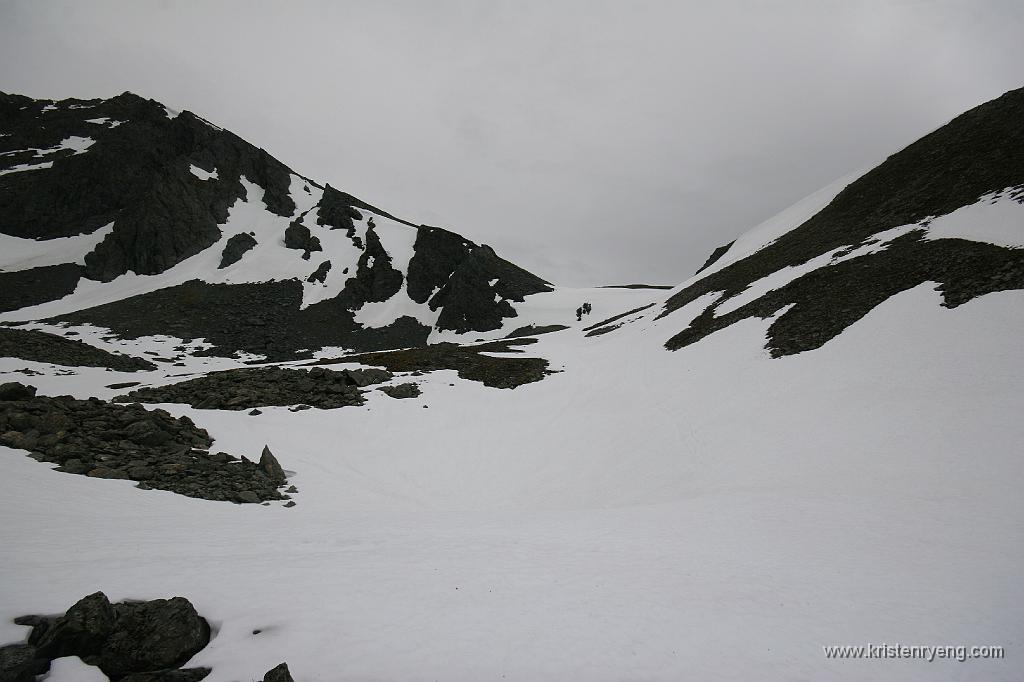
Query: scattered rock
x=409, y=390
x=369, y=376
x=254, y=413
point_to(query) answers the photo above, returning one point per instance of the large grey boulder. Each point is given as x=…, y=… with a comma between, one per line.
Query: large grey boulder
x=153, y=635
x=81, y=631
x=14, y=390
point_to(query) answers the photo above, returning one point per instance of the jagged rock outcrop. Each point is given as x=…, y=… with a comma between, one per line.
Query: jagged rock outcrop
x=298, y=236
x=455, y=275
x=236, y=247
x=337, y=210
x=320, y=274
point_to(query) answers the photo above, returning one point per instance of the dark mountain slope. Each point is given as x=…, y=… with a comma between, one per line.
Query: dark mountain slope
x=978, y=153
x=163, y=185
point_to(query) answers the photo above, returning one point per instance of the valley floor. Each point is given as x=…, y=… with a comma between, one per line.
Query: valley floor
x=708, y=514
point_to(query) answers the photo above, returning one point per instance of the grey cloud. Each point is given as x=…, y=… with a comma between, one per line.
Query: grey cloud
x=595, y=142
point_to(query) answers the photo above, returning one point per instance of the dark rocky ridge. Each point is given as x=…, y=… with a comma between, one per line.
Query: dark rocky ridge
x=977, y=153
x=243, y=389
x=262, y=319
x=828, y=300
x=129, y=641
x=103, y=440
x=136, y=175
x=40, y=346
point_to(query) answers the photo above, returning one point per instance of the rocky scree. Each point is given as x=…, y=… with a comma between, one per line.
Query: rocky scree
x=103, y=440
x=37, y=346
x=246, y=388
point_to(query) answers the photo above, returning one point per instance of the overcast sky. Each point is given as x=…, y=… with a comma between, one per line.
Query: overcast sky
x=592, y=142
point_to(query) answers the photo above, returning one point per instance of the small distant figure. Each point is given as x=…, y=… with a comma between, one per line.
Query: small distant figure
x=586, y=308
x=579, y=314
x=369, y=222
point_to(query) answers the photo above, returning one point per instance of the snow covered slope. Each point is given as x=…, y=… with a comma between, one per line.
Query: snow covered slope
x=829, y=456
